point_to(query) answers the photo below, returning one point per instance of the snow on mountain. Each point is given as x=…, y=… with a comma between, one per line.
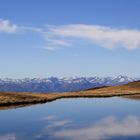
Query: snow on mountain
x=54, y=84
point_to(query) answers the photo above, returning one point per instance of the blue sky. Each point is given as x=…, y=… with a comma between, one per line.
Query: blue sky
x=42, y=38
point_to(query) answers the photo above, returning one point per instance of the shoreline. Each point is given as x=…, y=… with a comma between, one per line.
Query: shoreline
x=14, y=100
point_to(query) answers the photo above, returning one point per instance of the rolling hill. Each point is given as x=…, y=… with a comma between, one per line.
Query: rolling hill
x=130, y=90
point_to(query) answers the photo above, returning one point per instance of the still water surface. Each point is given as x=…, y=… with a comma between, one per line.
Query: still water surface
x=73, y=119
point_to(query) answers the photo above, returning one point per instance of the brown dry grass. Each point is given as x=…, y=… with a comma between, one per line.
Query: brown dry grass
x=22, y=99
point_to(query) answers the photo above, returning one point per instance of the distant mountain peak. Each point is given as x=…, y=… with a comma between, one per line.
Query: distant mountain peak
x=64, y=84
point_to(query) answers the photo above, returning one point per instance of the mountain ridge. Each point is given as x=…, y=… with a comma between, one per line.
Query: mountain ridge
x=55, y=84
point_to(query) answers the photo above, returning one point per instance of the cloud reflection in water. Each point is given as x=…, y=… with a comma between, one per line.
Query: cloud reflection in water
x=103, y=129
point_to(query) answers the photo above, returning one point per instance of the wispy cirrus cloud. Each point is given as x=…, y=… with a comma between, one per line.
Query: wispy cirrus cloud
x=59, y=36
x=54, y=44
x=7, y=27
x=104, y=36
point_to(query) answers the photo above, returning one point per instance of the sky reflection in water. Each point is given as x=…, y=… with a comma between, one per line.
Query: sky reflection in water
x=73, y=119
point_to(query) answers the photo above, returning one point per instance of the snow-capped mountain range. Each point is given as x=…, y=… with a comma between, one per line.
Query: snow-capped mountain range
x=54, y=84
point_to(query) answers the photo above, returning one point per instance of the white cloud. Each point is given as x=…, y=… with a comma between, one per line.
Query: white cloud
x=53, y=45
x=7, y=27
x=106, y=37
x=73, y=34
x=49, y=48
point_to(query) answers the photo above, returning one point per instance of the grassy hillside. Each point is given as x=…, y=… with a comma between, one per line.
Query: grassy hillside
x=127, y=88
x=18, y=99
